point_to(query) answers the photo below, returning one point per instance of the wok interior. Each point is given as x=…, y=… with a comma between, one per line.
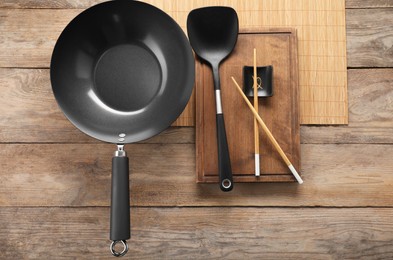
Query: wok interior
x=127, y=77
x=122, y=67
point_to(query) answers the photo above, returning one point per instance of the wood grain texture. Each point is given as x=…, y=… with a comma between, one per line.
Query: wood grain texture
x=69, y=4
x=276, y=47
x=346, y=135
x=164, y=175
x=370, y=40
x=48, y=4
x=29, y=35
x=370, y=94
x=371, y=98
x=200, y=233
x=357, y=4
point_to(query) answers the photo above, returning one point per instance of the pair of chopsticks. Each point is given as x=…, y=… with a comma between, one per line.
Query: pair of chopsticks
x=257, y=118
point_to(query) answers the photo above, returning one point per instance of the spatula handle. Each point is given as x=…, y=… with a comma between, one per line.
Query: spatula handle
x=224, y=162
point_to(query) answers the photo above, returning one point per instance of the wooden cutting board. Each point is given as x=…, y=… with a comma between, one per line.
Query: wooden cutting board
x=322, y=59
x=277, y=47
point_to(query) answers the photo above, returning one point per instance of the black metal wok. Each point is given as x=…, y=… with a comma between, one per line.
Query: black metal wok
x=122, y=71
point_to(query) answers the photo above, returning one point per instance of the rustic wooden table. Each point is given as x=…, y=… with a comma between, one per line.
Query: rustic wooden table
x=55, y=181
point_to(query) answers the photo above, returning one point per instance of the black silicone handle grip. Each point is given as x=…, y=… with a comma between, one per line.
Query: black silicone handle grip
x=224, y=162
x=120, y=200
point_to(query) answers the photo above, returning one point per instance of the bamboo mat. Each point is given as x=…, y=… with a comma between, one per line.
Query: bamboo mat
x=321, y=34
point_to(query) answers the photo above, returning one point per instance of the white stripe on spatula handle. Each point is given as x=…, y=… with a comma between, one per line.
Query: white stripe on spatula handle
x=218, y=102
x=269, y=134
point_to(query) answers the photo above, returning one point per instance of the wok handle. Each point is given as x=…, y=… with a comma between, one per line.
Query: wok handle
x=224, y=162
x=120, y=204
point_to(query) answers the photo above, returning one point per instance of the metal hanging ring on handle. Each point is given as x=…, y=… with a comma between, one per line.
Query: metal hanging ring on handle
x=226, y=183
x=123, y=252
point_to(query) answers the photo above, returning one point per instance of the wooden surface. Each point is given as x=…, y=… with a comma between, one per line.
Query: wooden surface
x=358, y=4
x=197, y=233
x=69, y=4
x=79, y=175
x=55, y=181
x=364, y=39
x=280, y=112
x=30, y=33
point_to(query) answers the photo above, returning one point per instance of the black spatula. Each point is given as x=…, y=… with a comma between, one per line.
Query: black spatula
x=212, y=32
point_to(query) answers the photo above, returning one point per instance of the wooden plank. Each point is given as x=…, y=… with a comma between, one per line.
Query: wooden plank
x=29, y=35
x=200, y=233
x=371, y=97
x=69, y=4
x=29, y=111
x=276, y=47
x=357, y=4
x=346, y=135
x=369, y=40
x=164, y=175
x=49, y=4
x=370, y=94
x=19, y=24
x=322, y=21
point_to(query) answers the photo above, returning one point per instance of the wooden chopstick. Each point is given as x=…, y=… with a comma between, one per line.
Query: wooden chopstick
x=256, y=131
x=269, y=134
